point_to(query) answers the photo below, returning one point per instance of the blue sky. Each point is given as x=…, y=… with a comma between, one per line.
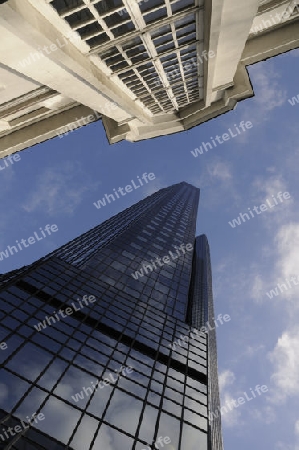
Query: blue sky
x=58, y=181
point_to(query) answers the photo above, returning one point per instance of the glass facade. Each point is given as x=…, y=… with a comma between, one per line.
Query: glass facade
x=96, y=358
x=201, y=312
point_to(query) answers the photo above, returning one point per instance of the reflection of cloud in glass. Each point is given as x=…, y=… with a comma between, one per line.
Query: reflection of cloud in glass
x=29, y=361
x=110, y=439
x=104, y=439
x=193, y=439
x=60, y=418
x=30, y=404
x=124, y=411
x=130, y=386
x=52, y=374
x=148, y=424
x=16, y=388
x=99, y=401
x=192, y=404
x=85, y=433
x=73, y=382
x=3, y=393
x=172, y=425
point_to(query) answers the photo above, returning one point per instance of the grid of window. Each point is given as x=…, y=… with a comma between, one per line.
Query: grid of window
x=55, y=359
x=201, y=311
x=45, y=370
x=79, y=250
x=154, y=235
x=149, y=46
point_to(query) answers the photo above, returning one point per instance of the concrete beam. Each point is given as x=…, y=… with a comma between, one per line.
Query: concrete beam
x=212, y=27
x=280, y=40
x=43, y=130
x=114, y=132
x=66, y=70
x=236, y=21
x=194, y=114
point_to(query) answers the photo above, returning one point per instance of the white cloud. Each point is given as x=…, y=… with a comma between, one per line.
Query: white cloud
x=253, y=350
x=152, y=187
x=226, y=378
x=285, y=272
x=287, y=241
x=231, y=415
x=263, y=414
x=284, y=227
x=258, y=288
x=294, y=446
x=282, y=446
x=267, y=189
x=217, y=174
x=216, y=171
x=271, y=169
x=269, y=186
x=285, y=361
x=59, y=189
x=269, y=94
x=220, y=170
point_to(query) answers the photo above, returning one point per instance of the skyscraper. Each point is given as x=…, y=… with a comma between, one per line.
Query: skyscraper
x=100, y=340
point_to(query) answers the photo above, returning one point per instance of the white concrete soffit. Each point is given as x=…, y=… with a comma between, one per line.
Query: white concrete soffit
x=24, y=31
x=143, y=80
x=227, y=24
x=236, y=21
x=126, y=77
